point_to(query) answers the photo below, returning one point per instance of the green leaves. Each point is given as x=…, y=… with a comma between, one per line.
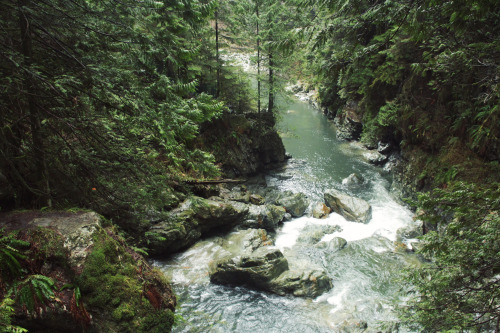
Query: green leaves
x=460, y=287
x=117, y=95
x=10, y=255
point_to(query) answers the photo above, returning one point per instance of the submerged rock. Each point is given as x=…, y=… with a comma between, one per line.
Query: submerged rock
x=312, y=234
x=334, y=245
x=353, y=209
x=256, y=269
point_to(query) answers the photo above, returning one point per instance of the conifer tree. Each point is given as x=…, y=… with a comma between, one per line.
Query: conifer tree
x=98, y=103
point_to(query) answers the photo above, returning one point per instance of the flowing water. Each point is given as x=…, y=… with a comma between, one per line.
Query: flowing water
x=364, y=273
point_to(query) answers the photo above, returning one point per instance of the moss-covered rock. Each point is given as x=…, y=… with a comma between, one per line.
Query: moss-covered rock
x=99, y=283
x=123, y=292
x=193, y=218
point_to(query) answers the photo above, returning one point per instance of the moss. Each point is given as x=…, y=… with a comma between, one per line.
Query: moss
x=46, y=247
x=158, y=322
x=113, y=286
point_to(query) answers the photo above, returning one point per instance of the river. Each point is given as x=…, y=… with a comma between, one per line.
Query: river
x=365, y=273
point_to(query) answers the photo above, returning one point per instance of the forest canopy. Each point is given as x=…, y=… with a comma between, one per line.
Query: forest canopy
x=99, y=101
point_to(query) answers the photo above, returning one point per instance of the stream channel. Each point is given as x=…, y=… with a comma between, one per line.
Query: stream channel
x=366, y=290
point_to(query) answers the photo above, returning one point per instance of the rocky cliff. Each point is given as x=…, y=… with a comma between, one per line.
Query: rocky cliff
x=243, y=144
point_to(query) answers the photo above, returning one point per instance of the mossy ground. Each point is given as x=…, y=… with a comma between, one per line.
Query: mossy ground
x=113, y=285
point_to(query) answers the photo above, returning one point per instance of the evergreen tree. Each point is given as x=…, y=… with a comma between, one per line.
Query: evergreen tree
x=98, y=102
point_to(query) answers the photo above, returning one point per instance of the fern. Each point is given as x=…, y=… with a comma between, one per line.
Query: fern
x=6, y=313
x=33, y=290
x=10, y=254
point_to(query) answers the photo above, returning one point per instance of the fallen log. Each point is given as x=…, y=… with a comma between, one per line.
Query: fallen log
x=214, y=181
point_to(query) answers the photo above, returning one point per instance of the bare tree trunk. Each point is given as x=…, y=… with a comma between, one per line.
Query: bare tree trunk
x=38, y=150
x=271, y=83
x=258, y=58
x=217, y=90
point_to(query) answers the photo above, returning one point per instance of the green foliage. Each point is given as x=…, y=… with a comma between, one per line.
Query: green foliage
x=34, y=292
x=18, y=284
x=11, y=252
x=459, y=288
x=100, y=106
x=6, y=313
x=414, y=67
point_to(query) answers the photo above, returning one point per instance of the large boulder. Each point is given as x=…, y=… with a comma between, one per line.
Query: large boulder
x=348, y=122
x=255, y=270
x=267, y=269
x=353, y=209
x=244, y=144
x=264, y=216
x=294, y=203
x=78, y=231
x=191, y=220
x=118, y=291
x=309, y=283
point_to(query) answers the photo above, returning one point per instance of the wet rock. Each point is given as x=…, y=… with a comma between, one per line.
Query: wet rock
x=256, y=199
x=287, y=217
x=348, y=123
x=309, y=283
x=353, y=209
x=312, y=234
x=334, y=245
x=375, y=158
x=255, y=270
x=264, y=216
x=384, y=147
x=195, y=217
x=245, y=241
x=320, y=210
x=267, y=269
x=411, y=231
x=294, y=203
x=392, y=162
x=353, y=180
